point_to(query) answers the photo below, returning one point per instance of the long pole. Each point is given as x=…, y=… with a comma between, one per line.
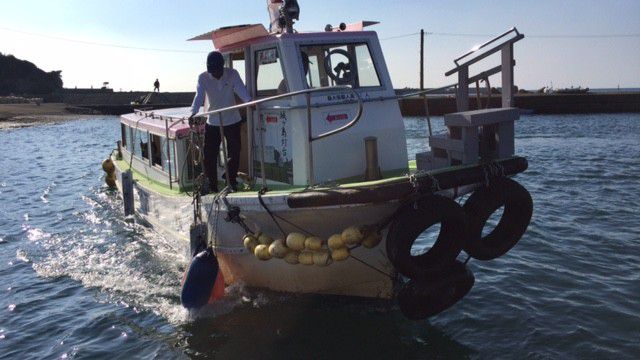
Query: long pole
x=424, y=96
x=166, y=129
x=422, y=59
x=223, y=140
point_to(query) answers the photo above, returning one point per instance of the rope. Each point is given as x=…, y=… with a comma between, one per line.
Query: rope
x=415, y=183
x=262, y=203
x=284, y=234
x=233, y=216
x=486, y=80
x=492, y=170
x=372, y=267
x=294, y=225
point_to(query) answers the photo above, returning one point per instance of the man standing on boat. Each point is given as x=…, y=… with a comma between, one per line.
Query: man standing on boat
x=219, y=84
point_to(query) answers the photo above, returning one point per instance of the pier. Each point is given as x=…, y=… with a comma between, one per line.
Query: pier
x=533, y=103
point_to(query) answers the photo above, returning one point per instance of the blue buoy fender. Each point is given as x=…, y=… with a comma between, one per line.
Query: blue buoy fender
x=200, y=280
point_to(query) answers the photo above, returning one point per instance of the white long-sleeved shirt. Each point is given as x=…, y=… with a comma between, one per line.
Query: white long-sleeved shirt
x=219, y=94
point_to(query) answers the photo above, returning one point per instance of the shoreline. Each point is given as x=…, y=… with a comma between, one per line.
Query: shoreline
x=13, y=116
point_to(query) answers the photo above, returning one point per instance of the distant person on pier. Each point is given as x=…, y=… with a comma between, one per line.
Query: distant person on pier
x=156, y=86
x=219, y=84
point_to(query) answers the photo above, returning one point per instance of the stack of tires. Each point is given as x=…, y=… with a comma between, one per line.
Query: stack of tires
x=436, y=278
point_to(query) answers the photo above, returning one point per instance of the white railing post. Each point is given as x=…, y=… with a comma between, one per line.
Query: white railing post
x=310, y=172
x=462, y=94
x=507, y=75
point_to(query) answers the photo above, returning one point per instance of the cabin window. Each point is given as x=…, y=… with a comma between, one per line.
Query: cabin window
x=346, y=64
x=124, y=131
x=130, y=141
x=269, y=76
x=236, y=61
x=156, y=150
x=166, y=160
x=143, y=141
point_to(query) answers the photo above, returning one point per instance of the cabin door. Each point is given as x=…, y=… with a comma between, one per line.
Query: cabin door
x=272, y=130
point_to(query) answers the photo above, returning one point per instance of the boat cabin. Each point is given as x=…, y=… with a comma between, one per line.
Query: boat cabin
x=343, y=94
x=158, y=146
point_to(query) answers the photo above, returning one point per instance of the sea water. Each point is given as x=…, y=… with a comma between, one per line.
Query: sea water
x=78, y=280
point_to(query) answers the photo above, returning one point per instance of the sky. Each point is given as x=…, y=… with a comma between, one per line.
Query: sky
x=567, y=42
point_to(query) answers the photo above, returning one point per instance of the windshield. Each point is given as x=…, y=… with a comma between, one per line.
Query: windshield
x=339, y=64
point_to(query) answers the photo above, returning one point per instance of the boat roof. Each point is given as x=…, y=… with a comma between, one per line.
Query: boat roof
x=232, y=38
x=157, y=121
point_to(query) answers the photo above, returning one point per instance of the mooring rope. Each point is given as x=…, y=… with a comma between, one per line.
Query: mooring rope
x=260, y=193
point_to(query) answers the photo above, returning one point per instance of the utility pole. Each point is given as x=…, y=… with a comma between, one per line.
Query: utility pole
x=421, y=59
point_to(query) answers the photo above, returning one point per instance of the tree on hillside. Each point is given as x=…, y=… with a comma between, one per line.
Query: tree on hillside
x=21, y=77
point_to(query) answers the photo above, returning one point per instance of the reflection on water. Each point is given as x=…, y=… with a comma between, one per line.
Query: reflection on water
x=79, y=280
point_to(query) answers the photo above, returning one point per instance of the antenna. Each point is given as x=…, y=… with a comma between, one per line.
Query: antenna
x=282, y=14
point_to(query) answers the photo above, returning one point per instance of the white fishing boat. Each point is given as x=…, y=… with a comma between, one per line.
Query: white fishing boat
x=329, y=202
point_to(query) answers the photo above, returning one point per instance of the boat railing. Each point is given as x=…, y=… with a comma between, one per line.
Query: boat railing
x=464, y=80
x=307, y=93
x=506, y=68
x=461, y=94
x=175, y=120
x=311, y=138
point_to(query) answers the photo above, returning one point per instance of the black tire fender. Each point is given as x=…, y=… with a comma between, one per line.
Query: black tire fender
x=412, y=221
x=420, y=300
x=518, y=208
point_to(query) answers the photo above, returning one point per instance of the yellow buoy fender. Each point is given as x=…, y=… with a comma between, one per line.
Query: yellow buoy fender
x=306, y=258
x=372, y=240
x=321, y=258
x=277, y=249
x=292, y=257
x=295, y=241
x=335, y=242
x=110, y=180
x=340, y=254
x=108, y=166
x=313, y=243
x=250, y=242
x=352, y=235
x=265, y=239
x=262, y=252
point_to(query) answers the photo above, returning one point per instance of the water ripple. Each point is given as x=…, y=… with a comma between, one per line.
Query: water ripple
x=80, y=281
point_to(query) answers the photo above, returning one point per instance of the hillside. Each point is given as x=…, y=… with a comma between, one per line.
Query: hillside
x=21, y=77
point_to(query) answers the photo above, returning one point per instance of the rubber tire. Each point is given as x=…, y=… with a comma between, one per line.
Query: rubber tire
x=518, y=208
x=413, y=221
x=420, y=300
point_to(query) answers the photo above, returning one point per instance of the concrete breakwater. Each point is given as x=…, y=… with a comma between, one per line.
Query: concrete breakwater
x=116, y=103
x=533, y=103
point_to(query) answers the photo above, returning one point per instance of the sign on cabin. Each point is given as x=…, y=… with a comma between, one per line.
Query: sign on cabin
x=277, y=147
x=268, y=56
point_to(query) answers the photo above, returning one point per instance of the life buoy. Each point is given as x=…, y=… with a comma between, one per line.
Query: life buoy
x=518, y=208
x=412, y=221
x=420, y=300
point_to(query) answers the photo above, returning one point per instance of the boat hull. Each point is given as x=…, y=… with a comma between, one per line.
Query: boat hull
x=170, y=216
x=366, y=273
